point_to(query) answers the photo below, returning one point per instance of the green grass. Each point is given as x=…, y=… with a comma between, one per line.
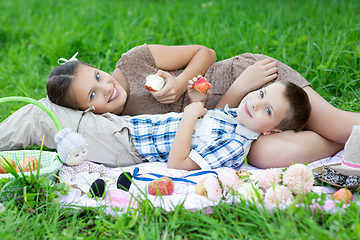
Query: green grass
x=320, y=39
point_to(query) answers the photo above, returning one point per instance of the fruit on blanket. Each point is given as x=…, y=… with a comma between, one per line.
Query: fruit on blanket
x=26, y=163
x=242, y=173
x=210, y=187
x=4, y=163
x=343, y=194
x=161, y=186
x=154, y=83
x=202, y=85
x=200, y=188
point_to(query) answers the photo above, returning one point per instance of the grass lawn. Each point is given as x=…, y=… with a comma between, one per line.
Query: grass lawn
x=319, y=39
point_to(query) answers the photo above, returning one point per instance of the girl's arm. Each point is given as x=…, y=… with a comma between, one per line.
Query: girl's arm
x=251, y=79
x=180, y=149
x=194, y=59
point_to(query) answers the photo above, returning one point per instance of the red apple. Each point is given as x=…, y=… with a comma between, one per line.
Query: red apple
x=202, y=85
x=154, y=83
x=26, y=163
x=343, y=194
x=4, y=163
x=161, y=186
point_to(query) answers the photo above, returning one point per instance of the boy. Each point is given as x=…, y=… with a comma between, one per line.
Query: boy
x=222, y=138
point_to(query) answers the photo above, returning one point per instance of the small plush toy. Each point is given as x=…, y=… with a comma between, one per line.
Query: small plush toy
x=84, y=175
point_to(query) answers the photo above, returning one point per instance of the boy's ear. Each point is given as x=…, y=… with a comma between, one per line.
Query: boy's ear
x=272, y=131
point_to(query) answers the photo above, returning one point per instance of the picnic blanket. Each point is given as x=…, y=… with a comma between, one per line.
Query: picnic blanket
x=117, y=201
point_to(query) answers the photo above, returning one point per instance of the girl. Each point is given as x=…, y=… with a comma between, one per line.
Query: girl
x=79, y=86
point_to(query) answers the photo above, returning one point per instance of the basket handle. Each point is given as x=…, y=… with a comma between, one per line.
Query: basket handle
x=35, y=102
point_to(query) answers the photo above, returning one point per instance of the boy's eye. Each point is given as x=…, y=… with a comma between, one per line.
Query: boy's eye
x=92, y=95
x=97, y=76
x=261, y=94
x=268, y=111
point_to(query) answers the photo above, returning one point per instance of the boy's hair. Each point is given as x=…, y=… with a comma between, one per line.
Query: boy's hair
x=59, y=82
x=299, y=107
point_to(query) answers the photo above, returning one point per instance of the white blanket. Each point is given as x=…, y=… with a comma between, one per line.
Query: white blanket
x=184, y=192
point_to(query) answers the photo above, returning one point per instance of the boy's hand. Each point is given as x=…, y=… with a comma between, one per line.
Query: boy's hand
x=195, y=95
x=195, y=109
x=258, y=74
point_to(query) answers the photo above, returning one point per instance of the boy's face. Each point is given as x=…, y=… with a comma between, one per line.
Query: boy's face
x=261, y=110
x=93, y=87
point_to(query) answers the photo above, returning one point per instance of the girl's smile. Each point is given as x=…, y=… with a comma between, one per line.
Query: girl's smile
x=114, y=95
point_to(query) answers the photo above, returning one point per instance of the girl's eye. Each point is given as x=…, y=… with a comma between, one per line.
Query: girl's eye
x=97, y=76
x=92, y=95
x=76, y=155
x=261, y=94
x=268, y=111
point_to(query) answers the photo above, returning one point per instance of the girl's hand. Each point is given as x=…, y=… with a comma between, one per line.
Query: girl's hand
x=195, y=109
x=195, y=95
x=258, y=74
x=249, y=80
x=172, y=90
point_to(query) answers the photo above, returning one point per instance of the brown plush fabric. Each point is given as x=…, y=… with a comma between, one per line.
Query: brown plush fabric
x=138, y=63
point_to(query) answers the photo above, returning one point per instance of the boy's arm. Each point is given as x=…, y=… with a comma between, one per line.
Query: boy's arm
x=251, y=79
x=180, y=149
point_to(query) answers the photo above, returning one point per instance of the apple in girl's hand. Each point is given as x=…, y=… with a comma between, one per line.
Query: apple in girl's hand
x=4, y=163
x=343, y=194
x=202, y=85
x=26, y=163
x=161, y=186
x=154, y=83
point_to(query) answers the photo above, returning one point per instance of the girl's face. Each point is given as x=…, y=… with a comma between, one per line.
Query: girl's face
x=93, y=87
x=261, y=110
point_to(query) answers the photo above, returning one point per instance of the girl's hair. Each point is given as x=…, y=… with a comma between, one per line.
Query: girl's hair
x=299, y=107
x=59, y=83
x=67, y=140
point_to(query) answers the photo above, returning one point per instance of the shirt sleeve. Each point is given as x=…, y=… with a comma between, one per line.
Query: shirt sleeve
x=226, y=151
x=139, y=53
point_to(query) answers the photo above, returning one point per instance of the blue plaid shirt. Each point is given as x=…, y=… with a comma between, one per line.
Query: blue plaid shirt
x=218, y=139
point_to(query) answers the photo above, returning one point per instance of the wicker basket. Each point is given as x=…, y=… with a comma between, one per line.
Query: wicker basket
x=49, y=162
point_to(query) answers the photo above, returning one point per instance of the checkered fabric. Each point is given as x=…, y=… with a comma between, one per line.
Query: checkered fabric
x=221, y=142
